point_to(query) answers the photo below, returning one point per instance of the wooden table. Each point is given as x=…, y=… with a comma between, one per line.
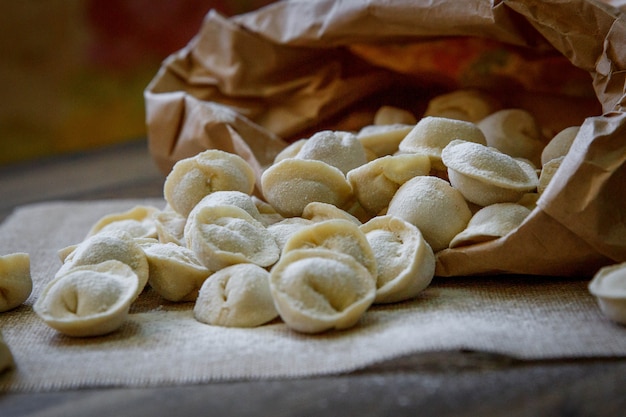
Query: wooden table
x=434, y=384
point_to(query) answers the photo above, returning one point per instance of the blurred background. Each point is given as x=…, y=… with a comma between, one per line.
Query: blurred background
x=72, y=72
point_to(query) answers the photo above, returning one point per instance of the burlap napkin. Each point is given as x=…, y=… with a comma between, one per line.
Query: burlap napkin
x=161, y=343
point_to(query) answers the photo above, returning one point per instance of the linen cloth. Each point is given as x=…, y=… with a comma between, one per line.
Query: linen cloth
x=522, y=317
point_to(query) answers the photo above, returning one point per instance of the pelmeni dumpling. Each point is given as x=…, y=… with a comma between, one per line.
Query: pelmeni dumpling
x=236, y=296
x=90, y=300
x=176, y=273
x=284, y=229
x=337, y=235
x=268, y=214
x=390, y=115
x=468, y=105
x=170, y=226
x=490, y=223
x=559, y=145
x=437, y=209
x=137, y=221
x=290, y=151
x=232, y=198
x=375, y=183
x=431, y=134
x=609, y=287
x=548, y=170
x=293, y=183
x=319, y=212
x=486, y=176
x=212, y=170
x=315, y=290
x=514, y=132
x=226, y=235
x=383, y=139
x=112, y=245
x=406, y=263
x=339, y=149
x=16, y=282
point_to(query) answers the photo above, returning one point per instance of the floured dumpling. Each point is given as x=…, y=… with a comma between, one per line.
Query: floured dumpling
x=226, y=235
x=431, y=134
x=137, y=221
x=89, y=300
x=609, y=287
x=16, y=282
x=514, y=132
x=490, y=223
x=293, y=183
x=383, y=140
x=389, y=115
x=104, y=246
x=485, y=175
x=232, y=198
x=559, y=145
x=339, y=149
x=236, y=296
x=170, y=226
x=547, y=172
x=268, y=214
x=468, y=105
x=284, y=229
x=437, y=209
x=176, y=273
x=290, y=150
x=375, y=183
x=315, y=290
x=319, y=212
x=212, y=170
x=406, y=263
x=337, y=235
x=112, y=245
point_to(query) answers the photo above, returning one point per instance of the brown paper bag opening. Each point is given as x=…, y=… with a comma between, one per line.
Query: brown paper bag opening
x=253, y=83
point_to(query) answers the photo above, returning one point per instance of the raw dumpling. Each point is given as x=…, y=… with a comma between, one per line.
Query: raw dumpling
x=375, y=183
x=468, y=105
x=16, y=282
x=315, y=290
x=337, y=235
x=138, y=222
x=176, y=273
x=559, y=145
x=547, y=172
x=293, y=183
x=490, y=223
x=609, y=287
x=431, y=134
x=290, y=150
x=339, y=149
x=226, y=235
x=89, y=300
x=284, y=229
x=437, y=209
x=236, y=296
x=112, y=245
x=268, y=214
x=319, y=212
x=383, y=139
x=232, y=198
x=389, y=115
x=406, y=263
x=170, y=226
x=212, y=170
x=514, y=132
x=486, y=176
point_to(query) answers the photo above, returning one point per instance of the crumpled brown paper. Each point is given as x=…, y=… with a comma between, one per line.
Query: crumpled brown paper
x=252, y=83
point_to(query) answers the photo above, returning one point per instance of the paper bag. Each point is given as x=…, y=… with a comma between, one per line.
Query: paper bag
x=253, y=83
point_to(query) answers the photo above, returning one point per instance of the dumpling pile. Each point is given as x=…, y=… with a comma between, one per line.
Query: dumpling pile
x=340, y=221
